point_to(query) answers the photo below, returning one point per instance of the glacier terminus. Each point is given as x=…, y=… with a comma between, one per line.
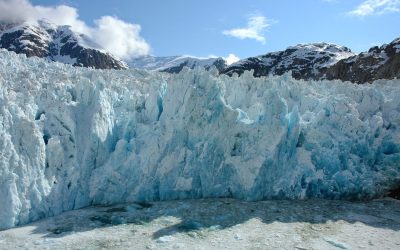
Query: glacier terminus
x=73, y=137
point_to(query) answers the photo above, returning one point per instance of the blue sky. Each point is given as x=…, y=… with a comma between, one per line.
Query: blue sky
x=221, y=27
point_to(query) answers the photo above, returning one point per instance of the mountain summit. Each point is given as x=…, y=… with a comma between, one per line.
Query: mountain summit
x=56, y=43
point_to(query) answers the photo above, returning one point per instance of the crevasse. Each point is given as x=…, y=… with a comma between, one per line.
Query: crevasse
x=73, y=137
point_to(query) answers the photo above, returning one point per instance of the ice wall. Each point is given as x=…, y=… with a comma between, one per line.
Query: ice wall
x=72, y=137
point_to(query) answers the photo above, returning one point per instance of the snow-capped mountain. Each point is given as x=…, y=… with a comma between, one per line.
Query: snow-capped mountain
x=59, y=43
x=56, y=43
x=315, y=61
x=175, y=64
x=378, y=63
x=306, y=61
x=320, y=61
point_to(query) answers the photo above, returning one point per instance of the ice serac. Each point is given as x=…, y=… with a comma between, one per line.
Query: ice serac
x=72, y=137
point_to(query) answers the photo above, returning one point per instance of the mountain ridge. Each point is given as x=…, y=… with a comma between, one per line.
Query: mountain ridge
x=312, y=61
x=304, y=60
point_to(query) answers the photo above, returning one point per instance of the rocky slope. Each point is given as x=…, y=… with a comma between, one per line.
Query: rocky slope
x=378, y=63
x=306, y=61
x=315, y=61
x=56, y=43
x=320, y=61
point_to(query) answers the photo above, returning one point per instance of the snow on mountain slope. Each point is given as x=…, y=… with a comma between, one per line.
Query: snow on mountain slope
x=56, y=43
x=305, y=61
x=319, y=61
x=72, y=137
x=152, y=62
x=378, y=63
x=175, y=64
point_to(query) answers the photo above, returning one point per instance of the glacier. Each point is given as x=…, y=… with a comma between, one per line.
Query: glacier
x=75, y=137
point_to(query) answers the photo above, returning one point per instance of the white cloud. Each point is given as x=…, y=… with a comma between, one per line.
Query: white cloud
x=231, y=58
x=256, y=26
x=112, y=34
x=376, y=7
x=120, y=38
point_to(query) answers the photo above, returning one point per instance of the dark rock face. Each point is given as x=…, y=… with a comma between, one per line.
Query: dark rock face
x=57, y=43
x=87, y=57
x=220, y=64
x=28, y=44
x=176, y=69
x=378, y=63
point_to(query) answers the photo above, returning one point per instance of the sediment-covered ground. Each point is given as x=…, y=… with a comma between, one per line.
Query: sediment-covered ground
x=217, y=224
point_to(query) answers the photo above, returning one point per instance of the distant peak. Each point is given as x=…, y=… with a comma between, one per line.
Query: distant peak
x=42, y=38
x=321, y=46
x=47, y=24
x=397, y=40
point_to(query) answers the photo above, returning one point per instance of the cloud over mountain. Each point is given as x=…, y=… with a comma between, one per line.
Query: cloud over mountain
x=112, y=34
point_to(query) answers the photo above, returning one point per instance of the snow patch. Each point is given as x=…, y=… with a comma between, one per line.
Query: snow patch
x=154, y=63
